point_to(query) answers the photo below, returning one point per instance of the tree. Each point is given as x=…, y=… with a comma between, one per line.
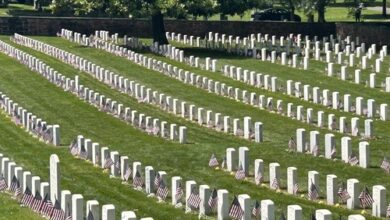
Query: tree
x=320, y=6
x=120, y=8
x=291, y=5
x=198, y=8
x=232, y=7
x=311, y=6
x=384, y=8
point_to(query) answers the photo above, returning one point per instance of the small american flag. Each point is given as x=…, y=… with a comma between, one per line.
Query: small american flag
x=365, y=198
x=259, y=178
x=3, y=184
x=47, y=207
x=353, y=161
x=385, y=165
x=223, y=164
x=240, y=174
x=313, y=192
x=90, y=215
x=179, y=192
x=13, y=185
x=57, y=213
x=162, y=190
x=256, y=209
x=343, y=193
x=157, y=180
x=194, y=200
x=213, y=200
x=74, y=150
x=295, y=189
x=73, y=144
x=127, y=174
x=291, y=144
x=213, y=162
x=138, y=181
x=38, y=202
x=83, y=153
x=235, y=210
x=108, y=163
x=28, y=198
x=18, y=189
x=388, y=211
x=333, y=152
x=275, y=183
x=315, y=150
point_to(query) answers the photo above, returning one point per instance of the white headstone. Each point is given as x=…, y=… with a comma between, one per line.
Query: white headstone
x=294, y=212
x=77, y=207
x=108, y=212
x=243, y=159
x=92, y=208
x=353, y=191
x=292, y=178
x=274, y=174
x=223, y=204
x=331, y=189
x=323, y=214
x=55, y=178
x=379, y=207
x=364, y=154
x=267, y=210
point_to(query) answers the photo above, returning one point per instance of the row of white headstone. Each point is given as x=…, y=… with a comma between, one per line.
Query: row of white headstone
x=72, y=205
x=291, y=42
x=348, y=47
x=95, y=98
x=76, y=201
x=204, y=192
x=371, y=82
x=299, y=114
x=312, y=145
x=251, y=78
x=175, y=106
x=233, y=161
x=219, y=122
x=36, y=126
x=329, y=70
x=316, y=98
x=297, y=90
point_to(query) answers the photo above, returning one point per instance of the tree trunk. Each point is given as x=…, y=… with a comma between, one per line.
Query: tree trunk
x=292, y=9
x=321, y=11
x=384, y=8
x=159, y=28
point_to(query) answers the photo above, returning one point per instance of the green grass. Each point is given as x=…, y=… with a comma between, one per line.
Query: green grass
x=11, y=209
x=15, y=9
x=332, y=14
x=188, y=161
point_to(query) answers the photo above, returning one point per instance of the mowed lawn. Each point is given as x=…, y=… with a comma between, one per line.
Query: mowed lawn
x=11, y=209
x=189, y=161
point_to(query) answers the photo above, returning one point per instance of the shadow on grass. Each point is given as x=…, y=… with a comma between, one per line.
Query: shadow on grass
x=210, y=52
x=15, y=11
x=376, y=16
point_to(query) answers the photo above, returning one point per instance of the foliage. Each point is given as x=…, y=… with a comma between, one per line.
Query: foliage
x=199, y=8
x=62, y=7
x=232, y=7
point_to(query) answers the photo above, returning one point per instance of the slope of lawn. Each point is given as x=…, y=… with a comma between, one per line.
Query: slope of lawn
x=188, y=161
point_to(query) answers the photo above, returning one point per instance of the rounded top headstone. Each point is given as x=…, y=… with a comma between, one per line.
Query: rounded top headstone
x=54, y=158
